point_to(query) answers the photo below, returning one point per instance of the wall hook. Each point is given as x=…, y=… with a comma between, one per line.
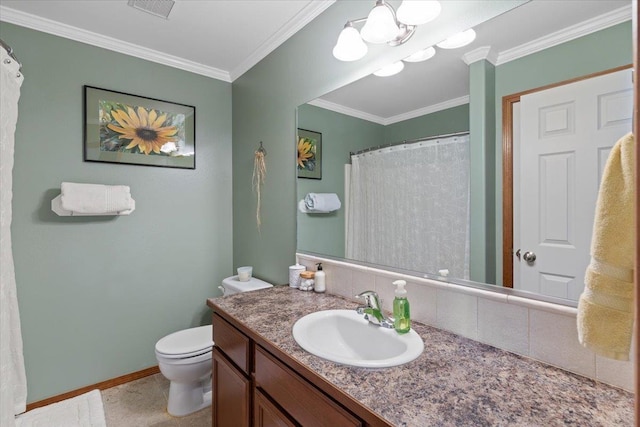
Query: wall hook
x=261, y=149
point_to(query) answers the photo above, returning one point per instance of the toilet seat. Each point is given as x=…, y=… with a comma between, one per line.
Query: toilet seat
x=186, y=343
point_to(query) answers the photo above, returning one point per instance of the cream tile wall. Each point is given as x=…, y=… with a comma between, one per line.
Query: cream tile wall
x=539, y=330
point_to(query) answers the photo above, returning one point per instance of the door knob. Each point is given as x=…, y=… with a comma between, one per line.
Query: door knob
x=530, y=257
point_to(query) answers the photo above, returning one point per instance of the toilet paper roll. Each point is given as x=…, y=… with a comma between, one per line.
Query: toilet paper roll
x=294, y=275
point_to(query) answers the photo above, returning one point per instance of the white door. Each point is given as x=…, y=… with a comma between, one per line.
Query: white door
x=566, y=135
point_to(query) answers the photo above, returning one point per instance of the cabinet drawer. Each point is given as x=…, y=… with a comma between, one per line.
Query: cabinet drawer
x=306, y=404
x=232, y=342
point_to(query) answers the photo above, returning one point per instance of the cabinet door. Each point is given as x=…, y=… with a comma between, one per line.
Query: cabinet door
x=266, y=414
x=231, y=394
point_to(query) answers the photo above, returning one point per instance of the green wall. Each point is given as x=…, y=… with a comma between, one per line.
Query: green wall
x=341, y=134
x=96, y=293
x=450, y=120
x=603, y=50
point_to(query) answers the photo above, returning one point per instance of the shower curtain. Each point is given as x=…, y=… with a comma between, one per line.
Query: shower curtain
x=409, y=206
x=13, y=382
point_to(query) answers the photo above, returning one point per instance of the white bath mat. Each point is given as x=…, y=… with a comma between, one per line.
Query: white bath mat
x=81, y=411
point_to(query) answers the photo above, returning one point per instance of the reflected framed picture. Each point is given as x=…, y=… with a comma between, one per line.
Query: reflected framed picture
x=136, y=130
x=309, y=154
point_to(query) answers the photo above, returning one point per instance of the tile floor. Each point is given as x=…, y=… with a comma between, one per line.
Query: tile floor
x=143, y=403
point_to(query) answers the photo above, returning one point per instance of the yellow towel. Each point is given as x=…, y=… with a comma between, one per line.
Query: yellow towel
x=605, y=309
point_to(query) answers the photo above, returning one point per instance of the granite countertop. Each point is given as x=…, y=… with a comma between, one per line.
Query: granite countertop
x=455, y=381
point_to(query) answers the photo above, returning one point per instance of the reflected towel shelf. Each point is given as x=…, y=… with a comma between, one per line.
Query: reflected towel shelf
x=323, y=203
x=302, y=207
x=56, y=206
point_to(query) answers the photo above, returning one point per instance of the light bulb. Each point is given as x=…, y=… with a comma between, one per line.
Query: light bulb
x=390, y=69
x=458, y=40
x=349, y=46
x=381, y=25
x=421, y=55
x=417, y=12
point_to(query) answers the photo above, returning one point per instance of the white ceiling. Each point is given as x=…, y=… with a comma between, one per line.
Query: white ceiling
x=212, y=38
x=221, y=38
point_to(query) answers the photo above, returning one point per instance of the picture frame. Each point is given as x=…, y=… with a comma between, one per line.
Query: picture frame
x=309, y=147
x=136, y=130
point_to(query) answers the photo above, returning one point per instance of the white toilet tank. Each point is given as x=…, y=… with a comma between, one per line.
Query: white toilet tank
x=231, y=285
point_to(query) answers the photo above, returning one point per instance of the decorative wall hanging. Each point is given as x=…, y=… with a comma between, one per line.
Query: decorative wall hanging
x=124, y=128
x=309, y=154
x=259, y=175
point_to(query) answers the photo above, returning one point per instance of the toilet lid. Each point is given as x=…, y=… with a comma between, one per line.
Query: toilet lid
x=187, y=342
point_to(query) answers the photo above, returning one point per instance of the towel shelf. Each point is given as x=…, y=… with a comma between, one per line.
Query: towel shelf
x=56, y=206
x=302, y=207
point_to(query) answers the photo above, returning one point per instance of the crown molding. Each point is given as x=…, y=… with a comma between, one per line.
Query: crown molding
x=484, y=52
x=49, y=26
x=427, y=110
x=584, y=28
x=327, y=105
x=294, y=25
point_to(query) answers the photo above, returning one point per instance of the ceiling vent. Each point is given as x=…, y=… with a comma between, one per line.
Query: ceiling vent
x=160, y=8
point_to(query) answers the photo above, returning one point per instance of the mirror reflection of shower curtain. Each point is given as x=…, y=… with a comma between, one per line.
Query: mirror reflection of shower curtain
x=409, y=206
x=13, y=383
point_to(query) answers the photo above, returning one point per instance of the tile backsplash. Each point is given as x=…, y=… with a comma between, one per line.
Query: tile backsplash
x=543, y=331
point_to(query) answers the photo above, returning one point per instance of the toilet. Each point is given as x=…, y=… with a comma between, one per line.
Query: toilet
x=184, y=357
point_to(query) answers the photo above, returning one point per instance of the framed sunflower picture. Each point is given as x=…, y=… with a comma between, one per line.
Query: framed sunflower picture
x=309, y=154
x=131, y=129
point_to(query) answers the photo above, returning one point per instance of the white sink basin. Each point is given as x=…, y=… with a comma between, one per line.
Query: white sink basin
x=344, y=336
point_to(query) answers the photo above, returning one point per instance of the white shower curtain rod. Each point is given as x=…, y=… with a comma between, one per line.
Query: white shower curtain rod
x=10, y=52
x=407, y=141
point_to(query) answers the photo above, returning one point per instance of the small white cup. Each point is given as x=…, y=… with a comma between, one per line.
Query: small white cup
x=244, y=273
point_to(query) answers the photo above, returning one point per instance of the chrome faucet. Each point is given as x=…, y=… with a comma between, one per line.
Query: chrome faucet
x=372, y=310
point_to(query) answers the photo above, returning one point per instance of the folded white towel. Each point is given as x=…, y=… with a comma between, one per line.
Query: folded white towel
x=322, y=202
x=96, y=198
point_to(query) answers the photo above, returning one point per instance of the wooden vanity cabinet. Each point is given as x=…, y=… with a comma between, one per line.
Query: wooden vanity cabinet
x=253, y=387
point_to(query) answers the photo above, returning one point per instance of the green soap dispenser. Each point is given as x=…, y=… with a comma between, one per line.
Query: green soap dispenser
x=401, y=313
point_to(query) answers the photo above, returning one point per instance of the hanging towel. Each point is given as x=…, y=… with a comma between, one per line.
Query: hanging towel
x=605, y=309
x=322, y=202
x=96, y=198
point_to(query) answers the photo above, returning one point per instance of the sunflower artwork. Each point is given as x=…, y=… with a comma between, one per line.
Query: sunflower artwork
x=125, y=128
x=309, y=154
x=139, y=130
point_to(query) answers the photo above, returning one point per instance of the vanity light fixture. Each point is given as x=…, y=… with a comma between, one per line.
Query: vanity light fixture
x=421, y=55
x=350, y=46
x=390, y=69
x=382, y=25
x=453, y=42
x=458, y=40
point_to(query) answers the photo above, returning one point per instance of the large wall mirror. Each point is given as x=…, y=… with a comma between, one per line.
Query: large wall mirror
x=535, y=45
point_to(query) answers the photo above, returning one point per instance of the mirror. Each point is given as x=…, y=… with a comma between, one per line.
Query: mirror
x=376, y=111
